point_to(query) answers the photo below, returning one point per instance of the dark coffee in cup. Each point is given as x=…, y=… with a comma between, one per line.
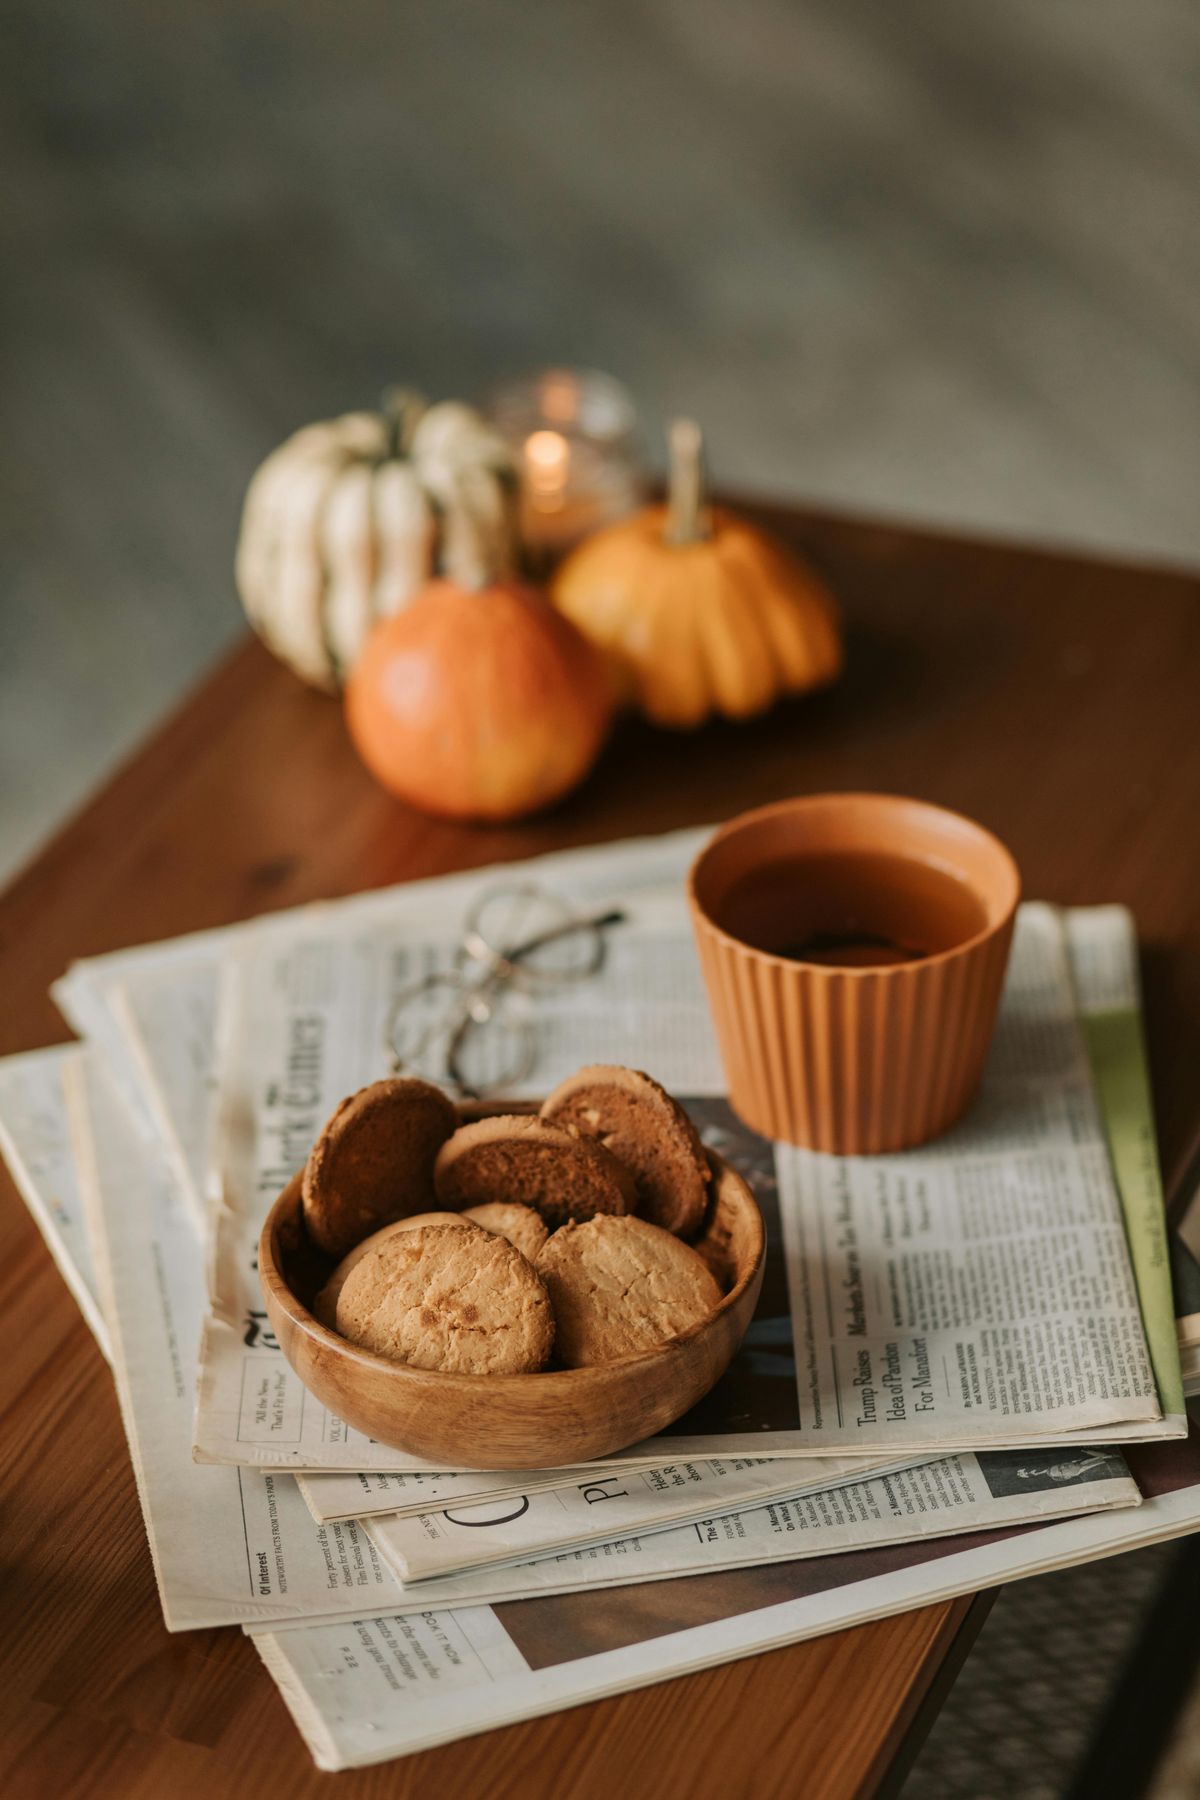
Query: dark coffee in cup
x=851, y=909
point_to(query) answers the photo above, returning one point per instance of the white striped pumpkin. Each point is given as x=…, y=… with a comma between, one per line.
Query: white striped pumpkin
x=348, y=519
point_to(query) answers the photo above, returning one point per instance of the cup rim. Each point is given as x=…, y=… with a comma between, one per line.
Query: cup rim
x=827, y=971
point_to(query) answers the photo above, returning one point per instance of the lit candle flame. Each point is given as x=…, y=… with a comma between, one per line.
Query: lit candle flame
x=547, y=455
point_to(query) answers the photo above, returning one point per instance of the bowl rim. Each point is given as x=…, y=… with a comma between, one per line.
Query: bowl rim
x=703, y=919
x=451, y=1381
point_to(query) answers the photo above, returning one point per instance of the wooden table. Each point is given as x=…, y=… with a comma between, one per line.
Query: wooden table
x=1053, y=698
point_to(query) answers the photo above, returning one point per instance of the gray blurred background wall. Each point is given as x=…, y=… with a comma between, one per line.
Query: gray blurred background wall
x=937, y=260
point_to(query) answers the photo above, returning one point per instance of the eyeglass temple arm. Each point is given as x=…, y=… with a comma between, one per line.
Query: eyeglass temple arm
x=519, y=951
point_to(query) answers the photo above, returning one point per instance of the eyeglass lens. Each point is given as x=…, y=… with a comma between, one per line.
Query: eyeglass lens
x=533, y=934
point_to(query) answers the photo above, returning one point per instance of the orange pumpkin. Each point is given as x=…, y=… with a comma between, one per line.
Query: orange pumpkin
x=698, y=610
x=478, y=703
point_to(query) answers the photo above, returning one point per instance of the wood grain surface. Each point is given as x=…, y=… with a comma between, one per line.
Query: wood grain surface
x=1052, y=698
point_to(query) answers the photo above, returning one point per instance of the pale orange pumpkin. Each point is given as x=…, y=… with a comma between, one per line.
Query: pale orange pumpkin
x=698, y=610
x=478, y=703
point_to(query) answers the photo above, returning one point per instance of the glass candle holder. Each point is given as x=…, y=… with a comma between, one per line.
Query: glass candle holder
x=572, y=431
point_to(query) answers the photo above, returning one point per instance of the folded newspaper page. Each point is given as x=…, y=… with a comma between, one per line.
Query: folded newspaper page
x=332, y=1497
x=229, y=1545
x=36, y=1145
x=389, y=1686
x=956, y=1494
x=167, y=1019
x=91, y=997
x=366, y=1496
x=978, y=1292
x=1102, y=943
x=612, y=1504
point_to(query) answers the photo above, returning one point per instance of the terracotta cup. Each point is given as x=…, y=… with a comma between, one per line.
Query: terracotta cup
x=854, y=949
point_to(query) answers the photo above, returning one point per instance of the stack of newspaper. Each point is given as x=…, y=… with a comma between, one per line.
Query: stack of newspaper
x=963, y=1368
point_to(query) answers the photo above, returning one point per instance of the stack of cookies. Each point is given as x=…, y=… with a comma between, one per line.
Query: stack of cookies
x=516, y=1243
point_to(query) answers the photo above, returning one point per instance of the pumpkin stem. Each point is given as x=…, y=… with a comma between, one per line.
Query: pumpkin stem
x=402, y=411
x=688, y=516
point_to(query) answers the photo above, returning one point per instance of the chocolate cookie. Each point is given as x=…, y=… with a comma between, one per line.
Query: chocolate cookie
x=521, y=1158
x=325, y=1304
x=449, y=1297
x=646, y=1130
x=374, y=1161
x=525, y=1229
x=620, y=1286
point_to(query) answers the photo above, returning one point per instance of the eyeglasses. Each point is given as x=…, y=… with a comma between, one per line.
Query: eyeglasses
x=473, y=1027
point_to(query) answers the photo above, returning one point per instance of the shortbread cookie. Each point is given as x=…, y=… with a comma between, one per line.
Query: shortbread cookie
x=525, y=1229
x=325, y=1304
x=374, y=1161
x=646, y=1130
x=620, y=1286
x=519, y=1157
x=449, y=1297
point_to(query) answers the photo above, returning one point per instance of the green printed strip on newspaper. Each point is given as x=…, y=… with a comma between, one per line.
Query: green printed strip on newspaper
x=1102, y=944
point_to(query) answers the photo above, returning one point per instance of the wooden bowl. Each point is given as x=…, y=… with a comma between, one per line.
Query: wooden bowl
x=545, y=1421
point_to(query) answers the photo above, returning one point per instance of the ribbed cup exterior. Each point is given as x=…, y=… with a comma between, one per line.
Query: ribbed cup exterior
x=854, y=1061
